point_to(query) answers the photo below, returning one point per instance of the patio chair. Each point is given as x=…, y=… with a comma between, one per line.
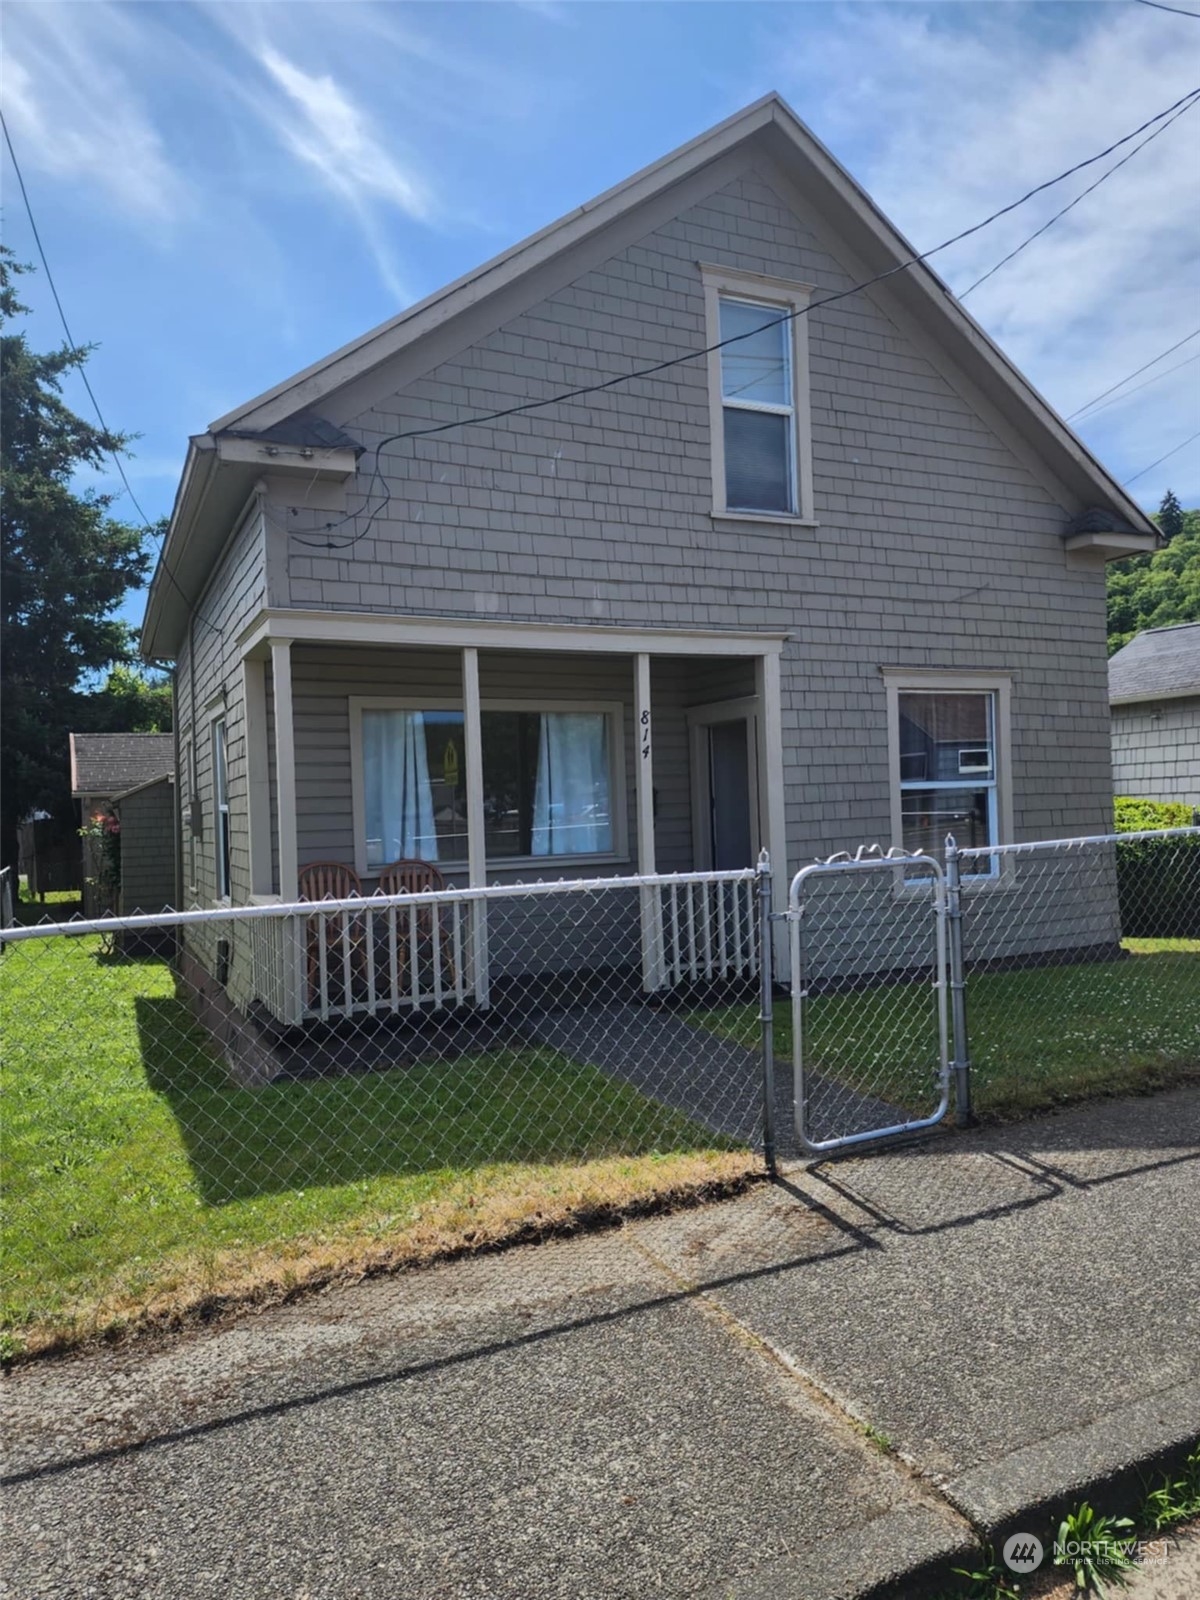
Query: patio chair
x=420, y=877
x=337, y=931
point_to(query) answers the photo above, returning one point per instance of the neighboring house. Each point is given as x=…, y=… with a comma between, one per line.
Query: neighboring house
x=1154, y=691
x=130, y=775
x=841, y=581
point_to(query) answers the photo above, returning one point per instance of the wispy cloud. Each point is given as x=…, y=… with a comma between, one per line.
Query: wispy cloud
x=326, y=130
x=76, y=111
x=951, y=121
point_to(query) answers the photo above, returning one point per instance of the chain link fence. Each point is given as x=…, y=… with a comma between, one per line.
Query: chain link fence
x=220, y=1104
x=211, y=1098
x=1081, y=960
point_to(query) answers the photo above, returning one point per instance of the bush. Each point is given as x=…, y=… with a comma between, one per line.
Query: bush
x=1136, y=816
x=1158, y=880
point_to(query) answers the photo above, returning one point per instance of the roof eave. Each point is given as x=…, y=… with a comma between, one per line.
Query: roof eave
x=1188, y=692
x=1116, y=546
x=189, y=496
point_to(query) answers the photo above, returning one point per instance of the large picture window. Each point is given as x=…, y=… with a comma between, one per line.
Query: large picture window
x=414, y=786
x=948, y=776
x=548, y=786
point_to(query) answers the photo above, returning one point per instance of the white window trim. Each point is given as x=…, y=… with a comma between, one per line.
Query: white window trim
x=613, y=709
x=938, y=681
x=220, y=720
x=783, y=296
x=186, y=799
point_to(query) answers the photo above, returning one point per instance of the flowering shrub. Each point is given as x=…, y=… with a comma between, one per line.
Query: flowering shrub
x=104, y=829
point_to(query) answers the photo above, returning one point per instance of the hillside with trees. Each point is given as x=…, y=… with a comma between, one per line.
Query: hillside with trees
x=1157, y=590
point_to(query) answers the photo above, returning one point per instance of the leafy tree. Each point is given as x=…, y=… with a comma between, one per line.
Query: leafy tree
x=65, y=566
x=1157, y=590
x=130, y=701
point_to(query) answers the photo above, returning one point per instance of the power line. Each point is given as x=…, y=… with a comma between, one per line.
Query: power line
x=1145, y=384
x=1177, y=107
x=1161, y=459
x=1070, y=206
x=77, y=351
x=1158, y=6
x=1162, y=355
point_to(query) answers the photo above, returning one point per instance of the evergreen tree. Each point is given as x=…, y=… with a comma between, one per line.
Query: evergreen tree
x=65, y=567
x=1170, y=515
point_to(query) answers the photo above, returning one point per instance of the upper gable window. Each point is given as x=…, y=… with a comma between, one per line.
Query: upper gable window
x=762, y=455
x=759, y=413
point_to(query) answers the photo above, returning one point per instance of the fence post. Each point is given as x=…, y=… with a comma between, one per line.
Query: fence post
x=766, y=1006
x=961, y=1060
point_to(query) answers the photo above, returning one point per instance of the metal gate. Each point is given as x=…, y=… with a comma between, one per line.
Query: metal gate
x=870, y=1036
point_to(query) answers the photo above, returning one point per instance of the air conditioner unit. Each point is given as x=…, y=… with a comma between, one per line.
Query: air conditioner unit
x=975, y=761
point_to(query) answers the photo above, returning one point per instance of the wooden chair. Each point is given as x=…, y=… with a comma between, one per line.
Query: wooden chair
x=420, y=877
x=338, y=931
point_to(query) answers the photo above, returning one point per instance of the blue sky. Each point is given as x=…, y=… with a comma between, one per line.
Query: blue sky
x=228, y=191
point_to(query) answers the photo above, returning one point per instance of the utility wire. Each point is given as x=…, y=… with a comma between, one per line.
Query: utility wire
x=325, y=543
x=1162, y=355
x=1145, y=384
x=1161, y=459
x=78, y=351
x=1179, y=12
x=1083, y=194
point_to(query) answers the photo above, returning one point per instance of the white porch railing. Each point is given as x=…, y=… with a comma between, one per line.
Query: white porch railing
x=371, y=956
x=388, y=954
x=709, y=928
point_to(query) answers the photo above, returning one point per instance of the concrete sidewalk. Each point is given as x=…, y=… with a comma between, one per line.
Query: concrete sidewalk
x=678, y=1408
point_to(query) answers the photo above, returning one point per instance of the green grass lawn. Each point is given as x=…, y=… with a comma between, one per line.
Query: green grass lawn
x=1039, y=1037
x=136, y=1176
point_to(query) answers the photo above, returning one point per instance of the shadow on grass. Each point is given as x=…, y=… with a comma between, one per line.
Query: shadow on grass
x=491, y=1108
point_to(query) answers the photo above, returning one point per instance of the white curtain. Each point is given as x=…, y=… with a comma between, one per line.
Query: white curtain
x=399, y=799
x=571, y=810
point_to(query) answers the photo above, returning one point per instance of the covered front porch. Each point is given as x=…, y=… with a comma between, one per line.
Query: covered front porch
x=513, y=761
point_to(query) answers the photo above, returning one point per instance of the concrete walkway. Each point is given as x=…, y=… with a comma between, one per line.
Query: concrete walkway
x=716, y=1081
x=677, y=1408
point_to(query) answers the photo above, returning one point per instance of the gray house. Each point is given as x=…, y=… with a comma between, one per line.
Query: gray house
x=839, y=580
x=1154, y=690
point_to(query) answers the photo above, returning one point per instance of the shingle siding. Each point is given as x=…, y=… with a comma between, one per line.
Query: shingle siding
x=208, y=685
x=936, y=545
x=148, y=849
x=1156, y=750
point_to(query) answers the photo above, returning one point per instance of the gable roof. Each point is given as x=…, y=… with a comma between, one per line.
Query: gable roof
x=109, y=764
x=1160, y=664
x=769, y=125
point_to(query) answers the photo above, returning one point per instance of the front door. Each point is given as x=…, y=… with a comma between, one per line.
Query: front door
x=730, y=755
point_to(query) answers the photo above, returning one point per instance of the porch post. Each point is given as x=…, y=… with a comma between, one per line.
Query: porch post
x=258, y=778
x=770, y=788
x=476, y=843
x=293, y=952
x=285, y=768
x=651, y=904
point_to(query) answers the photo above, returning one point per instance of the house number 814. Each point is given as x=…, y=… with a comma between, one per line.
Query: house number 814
x=645, y=735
